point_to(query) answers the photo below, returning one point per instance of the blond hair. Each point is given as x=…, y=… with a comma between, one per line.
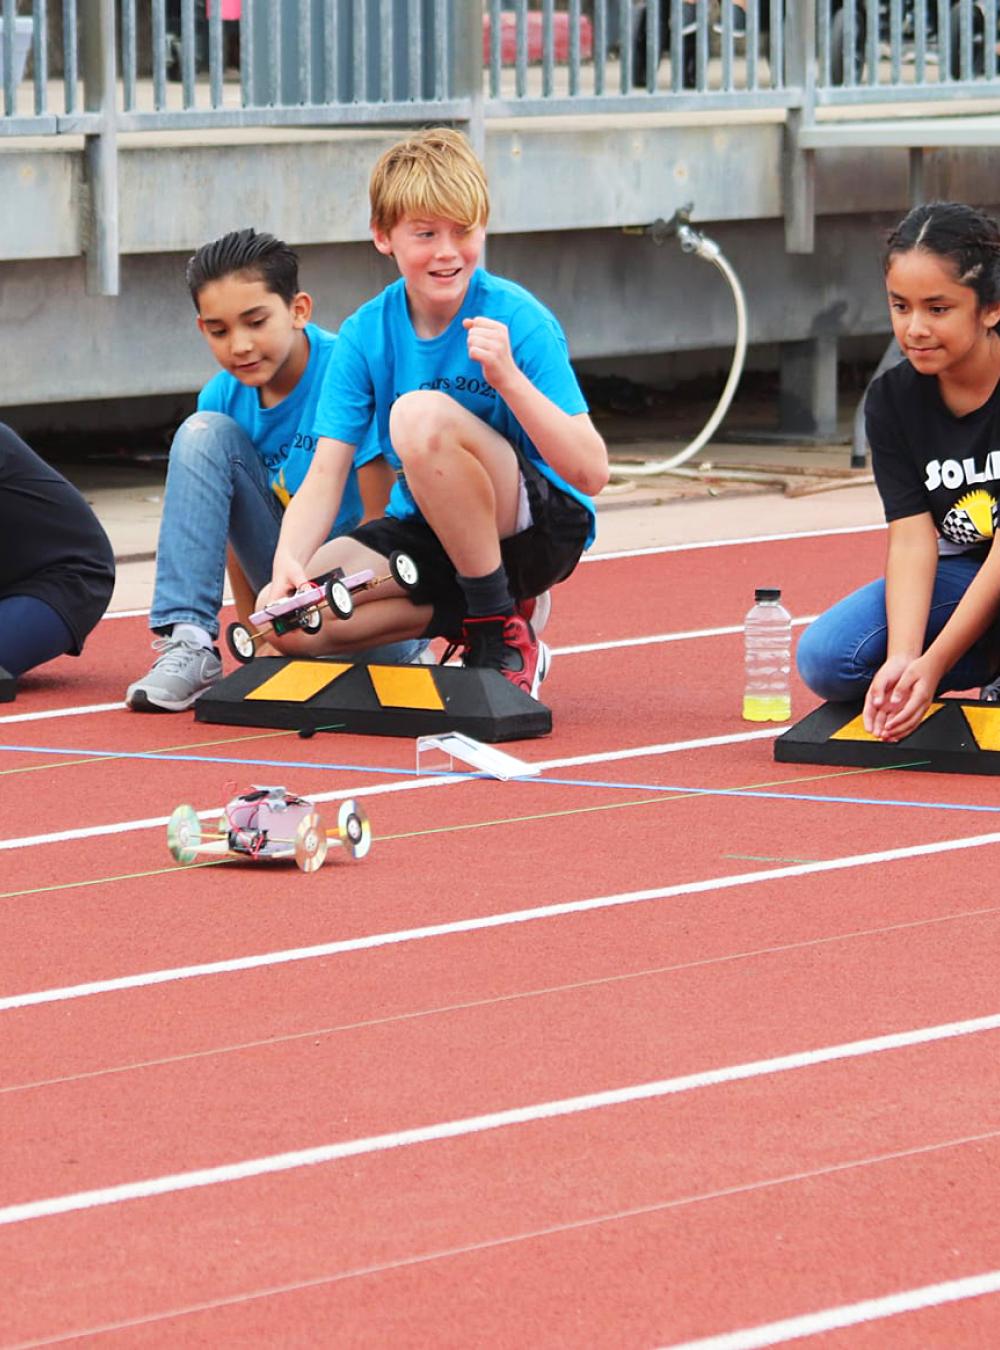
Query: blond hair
x=433, y=173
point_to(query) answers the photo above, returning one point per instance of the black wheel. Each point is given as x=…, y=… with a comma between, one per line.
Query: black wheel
x=404, y=570
x=838, y=25
x=339, y=598
x=978, y=45
x=239, y=640
x=311, y=621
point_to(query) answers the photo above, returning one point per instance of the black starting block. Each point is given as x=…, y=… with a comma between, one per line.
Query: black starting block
x=955, y=736
x=323, y=695
x=8, y=686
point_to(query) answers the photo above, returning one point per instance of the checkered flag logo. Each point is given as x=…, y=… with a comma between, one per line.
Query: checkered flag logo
x=972, y=520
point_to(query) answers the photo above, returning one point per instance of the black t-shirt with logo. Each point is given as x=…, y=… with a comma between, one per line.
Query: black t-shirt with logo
x=927, y=459
x=52, y=546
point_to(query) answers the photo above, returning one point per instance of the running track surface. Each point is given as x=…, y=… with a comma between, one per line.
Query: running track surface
x=669, y=1044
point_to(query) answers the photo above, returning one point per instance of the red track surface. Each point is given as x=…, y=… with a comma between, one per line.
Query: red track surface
x=702, y=1207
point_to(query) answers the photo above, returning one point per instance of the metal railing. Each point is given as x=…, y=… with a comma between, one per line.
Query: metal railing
x=181, y=64
x=185, y=64
x=880, y=50
x=101, y=67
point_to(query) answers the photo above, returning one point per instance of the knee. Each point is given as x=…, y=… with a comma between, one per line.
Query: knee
x=205, y=438
x=827, y=669
x=810, y=660
x=421, y=423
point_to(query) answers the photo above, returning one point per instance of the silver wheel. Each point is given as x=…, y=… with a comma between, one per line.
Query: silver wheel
x=311, y=621
x=310, y=842
x=184, y=834
x=354, y=829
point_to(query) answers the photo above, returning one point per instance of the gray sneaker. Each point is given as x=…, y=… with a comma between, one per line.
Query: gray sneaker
x=181, y=672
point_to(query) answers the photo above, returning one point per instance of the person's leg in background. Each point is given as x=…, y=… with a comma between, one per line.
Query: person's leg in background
x=375, y=479
x=31, y=633
x=217, y=488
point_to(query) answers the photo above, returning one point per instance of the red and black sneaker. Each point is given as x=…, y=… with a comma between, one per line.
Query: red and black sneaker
x=536, y=609
x=508, y=644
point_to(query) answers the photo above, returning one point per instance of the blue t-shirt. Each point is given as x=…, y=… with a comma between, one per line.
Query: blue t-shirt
x=284, y=435
x=380, y=356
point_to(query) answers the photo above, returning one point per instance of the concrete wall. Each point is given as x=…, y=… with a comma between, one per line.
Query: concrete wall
x=563, y=189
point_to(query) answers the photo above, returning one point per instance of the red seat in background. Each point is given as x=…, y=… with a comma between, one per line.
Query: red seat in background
x=560, y=35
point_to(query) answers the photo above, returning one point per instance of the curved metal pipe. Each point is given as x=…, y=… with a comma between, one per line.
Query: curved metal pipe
x=692, y=241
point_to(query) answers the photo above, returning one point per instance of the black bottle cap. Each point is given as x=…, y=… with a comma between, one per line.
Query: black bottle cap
x=766, y=593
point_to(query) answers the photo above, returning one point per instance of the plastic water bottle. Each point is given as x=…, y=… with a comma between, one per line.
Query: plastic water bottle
x=767, y=636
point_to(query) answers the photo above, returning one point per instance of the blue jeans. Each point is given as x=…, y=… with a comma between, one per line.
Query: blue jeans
x=217, y=491
x=840, y=652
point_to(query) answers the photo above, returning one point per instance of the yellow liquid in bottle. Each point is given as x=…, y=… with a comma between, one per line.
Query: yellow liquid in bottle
x=776, y=708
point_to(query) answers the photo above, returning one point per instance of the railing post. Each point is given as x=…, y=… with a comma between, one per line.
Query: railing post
x=799, y=166
x=467, y=73
x=97, y=43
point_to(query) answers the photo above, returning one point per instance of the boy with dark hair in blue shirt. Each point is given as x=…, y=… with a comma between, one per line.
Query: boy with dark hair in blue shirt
x=236, y=463
x=468, y=379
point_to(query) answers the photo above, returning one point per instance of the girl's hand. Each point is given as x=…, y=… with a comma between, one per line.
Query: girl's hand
x=489, y=344
x=911, y=697
x=876, y=708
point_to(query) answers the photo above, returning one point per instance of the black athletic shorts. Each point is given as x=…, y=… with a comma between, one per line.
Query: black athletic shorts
x=535, y=558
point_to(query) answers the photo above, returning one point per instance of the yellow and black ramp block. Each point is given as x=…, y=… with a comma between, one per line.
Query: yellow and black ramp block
x=323, y=695
x=955, y=736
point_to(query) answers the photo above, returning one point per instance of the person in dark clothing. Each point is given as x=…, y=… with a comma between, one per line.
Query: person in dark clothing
x=57, y=568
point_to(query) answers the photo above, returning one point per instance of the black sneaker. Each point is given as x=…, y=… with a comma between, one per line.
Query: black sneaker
x=990, y=693
x=508, y=644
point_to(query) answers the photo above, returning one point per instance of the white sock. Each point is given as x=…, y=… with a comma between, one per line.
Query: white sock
x=191, y=632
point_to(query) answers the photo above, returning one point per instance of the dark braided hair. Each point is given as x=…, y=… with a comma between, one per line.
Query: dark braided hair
x=968, y=238
x=259, y=255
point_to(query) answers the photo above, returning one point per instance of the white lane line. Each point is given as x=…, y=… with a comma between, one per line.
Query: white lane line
x=662, y=748
x=369, y=789
x=580, y=648
x=502, y=920
x=494, y=1120
x=575, y=650
x=510, y=1239
x=520, y=996
x=62, y=712
x=656, y=638
x=850, y=1314
x=653, y=549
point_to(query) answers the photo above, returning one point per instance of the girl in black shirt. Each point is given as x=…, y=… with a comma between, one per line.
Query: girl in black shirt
x=933, y=424
x=57, y=569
